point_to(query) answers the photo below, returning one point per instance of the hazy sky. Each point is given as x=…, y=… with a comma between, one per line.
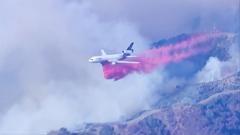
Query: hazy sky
x=157, y=19
x=46, y=81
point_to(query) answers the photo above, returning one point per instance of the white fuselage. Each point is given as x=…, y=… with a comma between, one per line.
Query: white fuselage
x=113, y=58
x=119, y=58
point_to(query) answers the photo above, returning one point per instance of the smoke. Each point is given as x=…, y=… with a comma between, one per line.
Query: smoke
x=162, y=19
x=215, y=69
x=46, y=81
x=150, y=60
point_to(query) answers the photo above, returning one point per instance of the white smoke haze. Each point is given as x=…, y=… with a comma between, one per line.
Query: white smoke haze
x=167, y=18
x=46, y=81
x=216, y=69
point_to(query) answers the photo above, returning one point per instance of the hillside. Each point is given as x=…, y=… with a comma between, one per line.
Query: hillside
x=211, y=108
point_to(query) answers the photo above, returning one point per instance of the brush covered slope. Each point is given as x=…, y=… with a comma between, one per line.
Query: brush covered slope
x=213, y=109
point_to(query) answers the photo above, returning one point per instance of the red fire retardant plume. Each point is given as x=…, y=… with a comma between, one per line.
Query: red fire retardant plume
x=150, y=60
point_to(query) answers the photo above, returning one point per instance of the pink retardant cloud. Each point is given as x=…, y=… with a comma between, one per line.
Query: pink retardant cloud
x=151, y=60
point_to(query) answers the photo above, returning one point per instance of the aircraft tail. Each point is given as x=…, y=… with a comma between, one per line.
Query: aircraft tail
x=130, y=47
x=129, y=50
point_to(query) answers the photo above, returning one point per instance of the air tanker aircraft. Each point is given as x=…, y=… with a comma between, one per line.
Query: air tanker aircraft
x=115, y=58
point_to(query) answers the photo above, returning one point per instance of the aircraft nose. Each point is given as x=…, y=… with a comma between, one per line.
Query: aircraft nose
x=90, y=60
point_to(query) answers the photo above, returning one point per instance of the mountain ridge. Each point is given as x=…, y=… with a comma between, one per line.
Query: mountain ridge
x=216, y=111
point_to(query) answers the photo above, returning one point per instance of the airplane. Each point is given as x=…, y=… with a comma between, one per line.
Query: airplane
x=119, y=58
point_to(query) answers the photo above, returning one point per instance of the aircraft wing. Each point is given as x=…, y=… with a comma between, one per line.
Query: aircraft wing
x=127, y=62
x=131, y=56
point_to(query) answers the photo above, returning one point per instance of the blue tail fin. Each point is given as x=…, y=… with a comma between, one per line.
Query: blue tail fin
x=130, y=47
